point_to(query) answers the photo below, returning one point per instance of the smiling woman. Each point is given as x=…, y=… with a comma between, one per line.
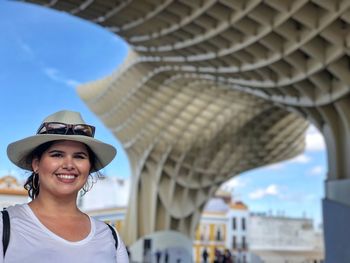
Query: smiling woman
x=60, y=157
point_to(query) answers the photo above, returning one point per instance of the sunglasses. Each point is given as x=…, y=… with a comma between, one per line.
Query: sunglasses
x=64, y=128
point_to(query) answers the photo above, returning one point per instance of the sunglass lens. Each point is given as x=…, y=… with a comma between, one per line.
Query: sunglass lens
x=83, y=130
x=56, y=128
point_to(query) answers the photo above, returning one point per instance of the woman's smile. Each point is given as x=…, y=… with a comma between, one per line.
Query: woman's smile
x=66, y=178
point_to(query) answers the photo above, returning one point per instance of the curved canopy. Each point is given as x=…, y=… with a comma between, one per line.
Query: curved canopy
x=207, y=92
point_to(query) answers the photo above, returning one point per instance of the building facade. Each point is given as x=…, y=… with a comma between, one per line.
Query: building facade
x=11, y=192
x=274, y=239
x=223, y=228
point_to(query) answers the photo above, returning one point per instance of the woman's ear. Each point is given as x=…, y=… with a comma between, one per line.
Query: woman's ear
x=35, y=164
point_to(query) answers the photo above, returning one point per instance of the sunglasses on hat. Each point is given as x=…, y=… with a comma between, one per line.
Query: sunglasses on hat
x=64, y=128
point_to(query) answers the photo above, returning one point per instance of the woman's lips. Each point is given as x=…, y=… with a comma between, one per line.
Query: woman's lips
x=66, y=178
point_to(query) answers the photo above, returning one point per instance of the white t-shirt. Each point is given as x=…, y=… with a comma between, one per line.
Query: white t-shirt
x=31, y=241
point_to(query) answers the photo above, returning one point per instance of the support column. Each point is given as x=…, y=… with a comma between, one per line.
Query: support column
x=336, y=220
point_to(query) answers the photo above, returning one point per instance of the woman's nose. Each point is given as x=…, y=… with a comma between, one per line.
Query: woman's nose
x=68, y=163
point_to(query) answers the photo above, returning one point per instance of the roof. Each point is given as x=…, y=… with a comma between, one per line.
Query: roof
x=9, y=185
x=216, y=205
x=239, y=205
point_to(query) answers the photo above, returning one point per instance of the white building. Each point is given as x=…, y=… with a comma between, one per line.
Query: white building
x=106, y=192
x=238, y=231
x=280, y=239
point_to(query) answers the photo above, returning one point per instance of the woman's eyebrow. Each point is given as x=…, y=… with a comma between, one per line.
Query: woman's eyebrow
x=55, y=151
x=59, y=151
x=81, y=153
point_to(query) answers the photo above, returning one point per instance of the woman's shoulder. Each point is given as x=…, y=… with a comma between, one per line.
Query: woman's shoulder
x=98, y=223
x=17, y=210
x=101, y=226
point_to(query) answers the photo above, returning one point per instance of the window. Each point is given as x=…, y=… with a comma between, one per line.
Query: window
x=218, y=234
x=204, y=232
x=243, y=223
x=234, y=226
x=244, y=243
x=234, y=242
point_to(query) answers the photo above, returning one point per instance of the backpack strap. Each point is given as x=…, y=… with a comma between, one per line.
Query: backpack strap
x=114, y=235
x=5, y=230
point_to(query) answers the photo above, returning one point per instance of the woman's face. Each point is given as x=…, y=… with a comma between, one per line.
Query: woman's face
x=63, y=168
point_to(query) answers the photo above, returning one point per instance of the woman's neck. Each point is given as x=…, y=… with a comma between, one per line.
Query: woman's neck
x=54, y=206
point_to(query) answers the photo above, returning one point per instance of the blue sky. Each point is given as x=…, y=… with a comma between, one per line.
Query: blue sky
x=45, y=54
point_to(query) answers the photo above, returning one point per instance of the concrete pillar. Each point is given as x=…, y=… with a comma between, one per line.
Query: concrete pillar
x=336, y=219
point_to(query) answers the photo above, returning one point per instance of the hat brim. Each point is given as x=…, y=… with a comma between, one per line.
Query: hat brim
x=18, y=151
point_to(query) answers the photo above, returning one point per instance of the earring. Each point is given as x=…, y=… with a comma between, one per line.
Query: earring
x=88, y=185
x=35, y=174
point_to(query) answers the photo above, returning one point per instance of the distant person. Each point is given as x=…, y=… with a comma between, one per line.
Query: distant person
x=217, y=256
x=205, y=255
x=166, y=256
x=227, y=257
x=158, y=256
x=61, y=156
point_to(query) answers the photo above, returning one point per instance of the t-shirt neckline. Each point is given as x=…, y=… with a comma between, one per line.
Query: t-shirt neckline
x=57, y=237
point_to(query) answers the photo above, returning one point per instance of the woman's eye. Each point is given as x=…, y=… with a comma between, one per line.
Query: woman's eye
x=80, y=156
x=56, y=155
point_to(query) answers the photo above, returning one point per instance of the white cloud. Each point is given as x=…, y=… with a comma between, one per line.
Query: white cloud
x=26, y=48
x=233, y=184
x=51, y=73
x=314, y=140
x=317, y=170
x=275, y=166
x=72, y=82
x=302, y=158
x=55, y=75
x=271, y=190
x=22, y=44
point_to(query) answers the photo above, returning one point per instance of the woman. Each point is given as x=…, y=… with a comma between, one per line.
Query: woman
x=51, y=228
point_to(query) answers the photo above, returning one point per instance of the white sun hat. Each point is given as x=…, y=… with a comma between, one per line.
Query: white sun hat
x=61, y=125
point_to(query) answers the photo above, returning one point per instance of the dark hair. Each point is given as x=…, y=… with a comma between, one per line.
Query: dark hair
x=32, y=184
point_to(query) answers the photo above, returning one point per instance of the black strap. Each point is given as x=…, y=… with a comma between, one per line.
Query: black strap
x=5, y=230
x=114, y=235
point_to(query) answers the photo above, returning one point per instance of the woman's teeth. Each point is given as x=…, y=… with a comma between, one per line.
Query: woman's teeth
x=64, y=176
